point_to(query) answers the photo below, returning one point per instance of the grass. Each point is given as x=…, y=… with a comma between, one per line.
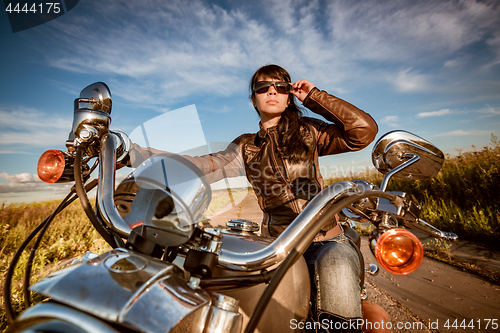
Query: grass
x=70, y=235
x=462, y=198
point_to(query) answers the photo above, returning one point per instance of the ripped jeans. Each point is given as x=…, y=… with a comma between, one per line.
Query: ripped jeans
x=334, y=267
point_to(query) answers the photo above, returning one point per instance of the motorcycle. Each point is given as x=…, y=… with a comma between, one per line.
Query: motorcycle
x=167, y=272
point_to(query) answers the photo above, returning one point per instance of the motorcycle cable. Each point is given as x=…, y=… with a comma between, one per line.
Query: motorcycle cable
x=84, y=201
x=237, y=280
x=29, y=264
x=10, y=272
x=298, y=250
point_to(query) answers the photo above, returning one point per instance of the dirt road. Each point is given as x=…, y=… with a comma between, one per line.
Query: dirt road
x=445, y=298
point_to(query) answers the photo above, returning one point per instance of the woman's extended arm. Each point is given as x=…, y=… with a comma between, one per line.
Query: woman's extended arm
x=216, y=166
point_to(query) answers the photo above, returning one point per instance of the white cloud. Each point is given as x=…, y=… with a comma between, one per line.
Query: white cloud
x=409, y=29
x=168, y=50
x=20, y=188
x=34, y=138
x=408, y=81
x=494, y=43
x=3, y=151
x=173, y=49
x=20, y=177
x=21, y=118
x=463, y=133
x=434, y=113
x=390, y=120
x=489, y=111
x=26, y=182
x=453, y=63
x=27, y=126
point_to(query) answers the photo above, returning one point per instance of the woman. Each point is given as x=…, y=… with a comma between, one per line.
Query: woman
x=281, y=163
x=292, y=143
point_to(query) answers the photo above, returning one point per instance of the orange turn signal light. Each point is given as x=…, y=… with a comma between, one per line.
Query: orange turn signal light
x=51, y=166
x=399, y=251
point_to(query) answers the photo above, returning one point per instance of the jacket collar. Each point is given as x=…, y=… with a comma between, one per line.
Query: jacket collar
x=262, y=132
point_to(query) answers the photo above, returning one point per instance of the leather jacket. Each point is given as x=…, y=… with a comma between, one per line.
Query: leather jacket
x=284, y=188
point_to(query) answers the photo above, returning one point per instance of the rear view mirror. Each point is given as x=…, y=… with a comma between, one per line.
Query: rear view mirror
x=95, y=96
x=405, y=155
x=398, y=147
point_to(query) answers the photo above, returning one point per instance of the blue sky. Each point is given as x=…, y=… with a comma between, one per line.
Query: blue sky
x=428, y=67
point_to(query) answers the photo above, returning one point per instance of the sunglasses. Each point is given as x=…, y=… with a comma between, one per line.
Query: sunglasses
x=281, y=87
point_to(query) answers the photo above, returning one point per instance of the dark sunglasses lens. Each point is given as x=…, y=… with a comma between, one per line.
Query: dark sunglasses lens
x=263, y=87
x=282, y=87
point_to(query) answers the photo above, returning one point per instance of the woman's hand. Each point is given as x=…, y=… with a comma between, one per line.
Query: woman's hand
x=301, y=89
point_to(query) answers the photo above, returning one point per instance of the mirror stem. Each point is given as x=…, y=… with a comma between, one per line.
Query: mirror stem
x=385, y=181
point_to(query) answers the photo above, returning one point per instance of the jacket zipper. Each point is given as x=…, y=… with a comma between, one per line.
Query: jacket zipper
x=285, y=177
x=289, y=186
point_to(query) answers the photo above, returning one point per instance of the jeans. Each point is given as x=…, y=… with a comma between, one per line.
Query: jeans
x=334, y=268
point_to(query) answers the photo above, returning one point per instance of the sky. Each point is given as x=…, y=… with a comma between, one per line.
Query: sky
x=428, y=67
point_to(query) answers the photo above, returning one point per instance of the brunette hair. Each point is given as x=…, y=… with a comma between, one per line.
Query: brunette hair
x=291, y=139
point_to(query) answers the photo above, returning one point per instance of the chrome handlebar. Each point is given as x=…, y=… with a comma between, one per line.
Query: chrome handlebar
x=264, y=258
x=429, y=229
x=295, y=232
x=106, y=188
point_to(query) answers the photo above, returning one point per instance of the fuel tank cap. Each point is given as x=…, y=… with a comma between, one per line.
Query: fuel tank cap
x=125, y=263
x=242, y=225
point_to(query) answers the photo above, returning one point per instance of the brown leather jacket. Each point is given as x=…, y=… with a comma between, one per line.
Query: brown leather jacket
x=283, y=188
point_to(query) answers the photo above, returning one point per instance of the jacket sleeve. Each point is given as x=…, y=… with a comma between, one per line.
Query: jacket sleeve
x=352, y=128
x=216, y=166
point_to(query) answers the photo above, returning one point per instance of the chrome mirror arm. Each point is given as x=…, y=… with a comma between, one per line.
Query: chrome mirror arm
x=385, y=181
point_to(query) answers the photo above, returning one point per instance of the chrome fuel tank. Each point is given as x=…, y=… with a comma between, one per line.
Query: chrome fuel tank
x=132, y=290
x=146, y=294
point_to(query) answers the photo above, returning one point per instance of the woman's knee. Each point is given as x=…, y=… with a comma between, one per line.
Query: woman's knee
x=338, y=259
